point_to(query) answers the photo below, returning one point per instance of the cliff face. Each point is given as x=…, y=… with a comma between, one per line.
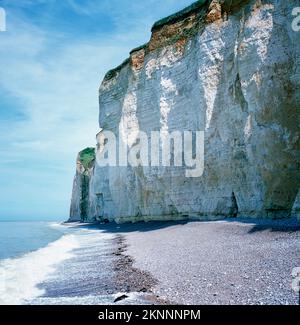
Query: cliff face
x=231, y=69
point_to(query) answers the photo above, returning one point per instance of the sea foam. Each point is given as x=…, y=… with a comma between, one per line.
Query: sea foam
x=19, y=277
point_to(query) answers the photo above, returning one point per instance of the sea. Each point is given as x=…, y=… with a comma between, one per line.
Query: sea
x=48, y=263
x=18, y=238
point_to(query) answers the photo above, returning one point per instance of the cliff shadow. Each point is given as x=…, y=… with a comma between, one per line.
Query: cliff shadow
x=142, y=226
x=271, y=225
x=255, y=225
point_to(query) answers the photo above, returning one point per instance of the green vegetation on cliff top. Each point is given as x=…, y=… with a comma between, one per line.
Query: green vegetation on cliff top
x=141, y=47
x=180, y=14
x=112, y=73
x=87, y=157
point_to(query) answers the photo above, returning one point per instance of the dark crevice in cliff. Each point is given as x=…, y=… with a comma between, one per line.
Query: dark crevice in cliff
x=238, y=94
x=84, y=200
x=234, y=206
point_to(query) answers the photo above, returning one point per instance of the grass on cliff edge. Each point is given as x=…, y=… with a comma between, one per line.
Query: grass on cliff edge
x=87, y=157
x=179, y=15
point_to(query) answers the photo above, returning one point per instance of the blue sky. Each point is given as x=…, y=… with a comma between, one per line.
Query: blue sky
x=53, y=57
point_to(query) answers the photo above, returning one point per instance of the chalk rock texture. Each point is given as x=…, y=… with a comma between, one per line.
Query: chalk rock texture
x=230, y=69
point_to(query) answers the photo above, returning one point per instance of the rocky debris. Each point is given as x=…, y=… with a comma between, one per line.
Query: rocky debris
x=121, y=297
x=129, y=279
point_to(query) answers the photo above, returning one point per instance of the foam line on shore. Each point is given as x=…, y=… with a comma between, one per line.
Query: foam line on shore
x=19, y=277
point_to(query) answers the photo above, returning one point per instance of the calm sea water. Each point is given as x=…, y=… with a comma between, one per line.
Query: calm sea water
x=18, y=238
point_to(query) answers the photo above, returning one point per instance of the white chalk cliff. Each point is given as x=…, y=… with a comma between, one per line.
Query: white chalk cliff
x=229, y=68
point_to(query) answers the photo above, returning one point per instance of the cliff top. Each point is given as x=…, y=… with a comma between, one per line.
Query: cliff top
x=168, y=29
x=87, y=157
x=179, y=15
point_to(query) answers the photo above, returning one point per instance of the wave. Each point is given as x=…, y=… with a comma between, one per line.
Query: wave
x=19, y=277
